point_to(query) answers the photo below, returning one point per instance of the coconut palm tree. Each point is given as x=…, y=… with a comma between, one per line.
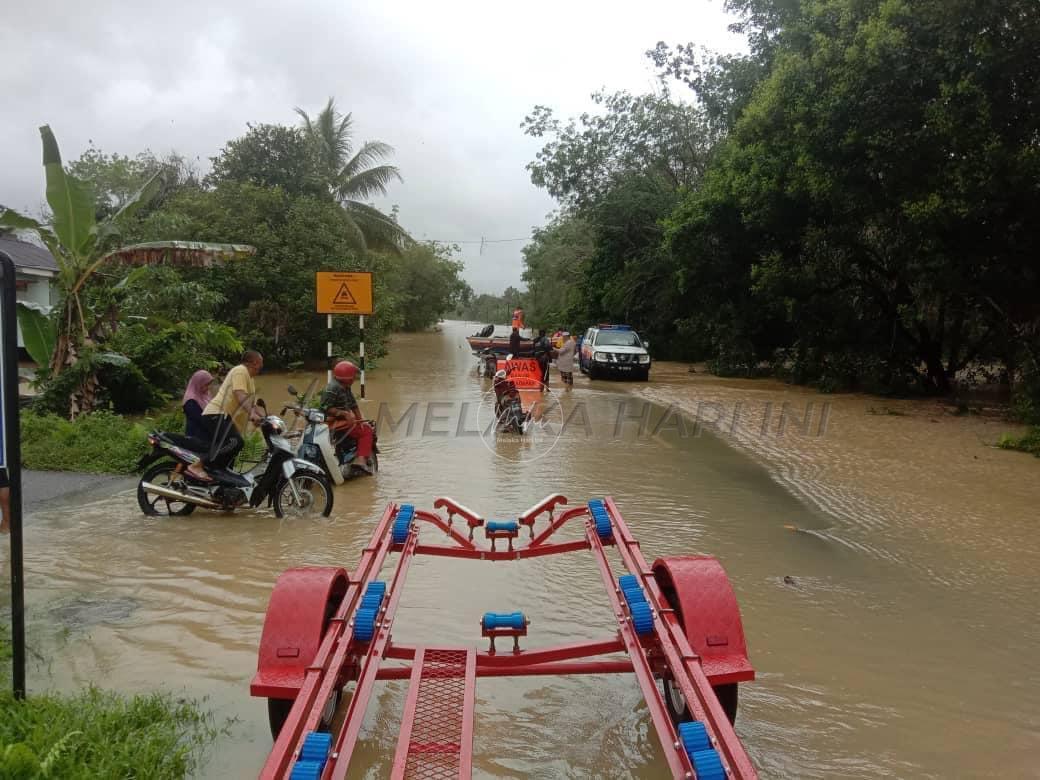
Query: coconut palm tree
x=352, y=177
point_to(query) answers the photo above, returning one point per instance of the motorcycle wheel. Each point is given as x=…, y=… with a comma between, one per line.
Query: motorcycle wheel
x=315, y=494
x=157, y=506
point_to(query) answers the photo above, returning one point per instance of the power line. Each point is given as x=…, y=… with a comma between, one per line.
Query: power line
x=476, y=241
x=483, y=241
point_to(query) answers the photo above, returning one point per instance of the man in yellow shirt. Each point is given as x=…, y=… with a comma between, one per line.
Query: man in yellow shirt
x=226, y=416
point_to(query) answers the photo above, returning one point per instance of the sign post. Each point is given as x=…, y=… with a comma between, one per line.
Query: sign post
x=344, y=293
x=11, y=459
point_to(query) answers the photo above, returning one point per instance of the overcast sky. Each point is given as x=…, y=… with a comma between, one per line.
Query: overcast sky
x=446, y=83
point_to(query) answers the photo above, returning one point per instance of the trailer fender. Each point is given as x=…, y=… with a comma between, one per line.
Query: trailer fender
x=697, y=587
x=302, y=602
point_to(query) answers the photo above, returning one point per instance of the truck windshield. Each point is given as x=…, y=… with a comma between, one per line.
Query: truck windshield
x=617, y=338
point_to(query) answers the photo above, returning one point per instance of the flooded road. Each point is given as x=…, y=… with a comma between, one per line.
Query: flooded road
x=892, y=649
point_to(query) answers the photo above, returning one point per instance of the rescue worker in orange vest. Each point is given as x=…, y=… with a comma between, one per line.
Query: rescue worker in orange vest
x=518, y=318
x=343, y=414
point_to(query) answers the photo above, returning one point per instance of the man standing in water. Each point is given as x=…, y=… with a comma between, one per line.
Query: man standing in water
x=226, y=416
x=514, y=342
x=543, y=354
x=565, y=360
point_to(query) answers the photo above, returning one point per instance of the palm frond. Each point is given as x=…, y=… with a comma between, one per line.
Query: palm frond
x=370, y=152
x=357, y=234
x=367, y=183
x=380, y=231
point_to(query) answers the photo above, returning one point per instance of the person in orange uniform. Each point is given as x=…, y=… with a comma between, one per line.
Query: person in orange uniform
x=518, y=318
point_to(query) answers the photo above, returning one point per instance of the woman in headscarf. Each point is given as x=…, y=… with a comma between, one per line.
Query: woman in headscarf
x=196, y=396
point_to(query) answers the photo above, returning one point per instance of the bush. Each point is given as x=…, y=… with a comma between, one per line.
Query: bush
x=101, y=442
x=101, y=734
x=1028, y=443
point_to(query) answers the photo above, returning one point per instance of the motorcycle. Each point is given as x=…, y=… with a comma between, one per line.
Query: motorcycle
x=290, y=484
x=487, y=363
x=335, y=457
x=510, y=416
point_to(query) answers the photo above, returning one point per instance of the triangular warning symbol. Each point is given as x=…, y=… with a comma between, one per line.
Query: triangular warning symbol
x=343, y=296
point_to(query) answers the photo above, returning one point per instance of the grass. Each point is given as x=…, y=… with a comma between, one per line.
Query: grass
x=101, y=443
x=98, y=734
x=1030, y=442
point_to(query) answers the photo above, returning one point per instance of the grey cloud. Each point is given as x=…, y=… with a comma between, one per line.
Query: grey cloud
x=447, y=84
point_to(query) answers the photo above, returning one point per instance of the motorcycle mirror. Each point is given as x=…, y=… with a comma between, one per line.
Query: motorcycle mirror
x=260, y=402
x=292, y=390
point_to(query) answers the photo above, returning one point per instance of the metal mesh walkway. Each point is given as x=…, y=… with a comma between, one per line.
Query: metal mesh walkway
x=436, y=738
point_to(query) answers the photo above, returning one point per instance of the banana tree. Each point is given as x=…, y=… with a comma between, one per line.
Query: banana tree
x=78, y=243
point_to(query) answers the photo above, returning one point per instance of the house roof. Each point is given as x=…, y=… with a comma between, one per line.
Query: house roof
x=26, y=255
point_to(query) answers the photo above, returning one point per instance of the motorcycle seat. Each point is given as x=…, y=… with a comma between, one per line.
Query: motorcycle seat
x=184, y=441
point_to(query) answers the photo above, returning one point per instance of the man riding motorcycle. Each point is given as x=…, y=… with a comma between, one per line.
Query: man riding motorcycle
x=508, y=408
x=344, y=416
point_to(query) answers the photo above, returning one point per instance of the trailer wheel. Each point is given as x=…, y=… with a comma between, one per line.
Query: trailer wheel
x=665, y=570
x=278, y=711
x=726, y=694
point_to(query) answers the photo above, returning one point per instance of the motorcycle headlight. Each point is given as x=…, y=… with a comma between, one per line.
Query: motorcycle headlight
x=316, y=417
x=600, y=357
x=277, y=423
x=644, y=358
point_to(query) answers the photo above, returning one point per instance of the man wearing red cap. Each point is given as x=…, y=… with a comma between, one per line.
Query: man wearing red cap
x=344, y=416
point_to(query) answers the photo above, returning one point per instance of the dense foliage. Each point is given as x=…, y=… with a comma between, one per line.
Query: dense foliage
x=856, y=206
x=129, y=339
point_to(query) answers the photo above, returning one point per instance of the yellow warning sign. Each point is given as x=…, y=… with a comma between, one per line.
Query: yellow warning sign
x=343, y=293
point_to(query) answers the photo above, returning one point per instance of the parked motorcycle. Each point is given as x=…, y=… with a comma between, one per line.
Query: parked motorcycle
x=331, y=451
x=291, y=485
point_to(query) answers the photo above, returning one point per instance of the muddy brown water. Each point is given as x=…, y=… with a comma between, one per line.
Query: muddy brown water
x=891, y=650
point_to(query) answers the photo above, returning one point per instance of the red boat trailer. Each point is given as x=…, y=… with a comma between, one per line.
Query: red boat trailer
x=327, y=627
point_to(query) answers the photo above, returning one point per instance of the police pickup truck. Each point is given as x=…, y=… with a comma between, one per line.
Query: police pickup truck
x=614, y=350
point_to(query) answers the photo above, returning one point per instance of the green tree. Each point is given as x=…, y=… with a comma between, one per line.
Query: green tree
x=427, y=284
x=646, y=134
x=269, y=156
x=116, y=178
x=268, y=298
x=554, y=266
x=875, y=196
x=351, y=177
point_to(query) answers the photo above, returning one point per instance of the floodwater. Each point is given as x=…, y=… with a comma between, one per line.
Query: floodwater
x=898, y=645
